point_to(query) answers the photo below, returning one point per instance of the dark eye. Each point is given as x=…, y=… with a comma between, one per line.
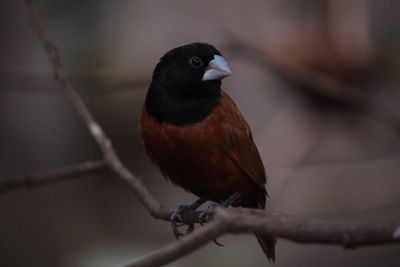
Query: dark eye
x=196, y=62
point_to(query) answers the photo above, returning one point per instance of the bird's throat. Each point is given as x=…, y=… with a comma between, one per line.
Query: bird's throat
x=183, y=108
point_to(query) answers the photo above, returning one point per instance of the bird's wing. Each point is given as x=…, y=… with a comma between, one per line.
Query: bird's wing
x=239, y=144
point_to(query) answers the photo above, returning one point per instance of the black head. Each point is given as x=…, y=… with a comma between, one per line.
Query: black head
x=186, y=84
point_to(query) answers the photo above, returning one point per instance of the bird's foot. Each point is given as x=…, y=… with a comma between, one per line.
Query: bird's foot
x=177, y=217
x=177, y=213
x=176, y=221
x=232, y=198
x=205, y=216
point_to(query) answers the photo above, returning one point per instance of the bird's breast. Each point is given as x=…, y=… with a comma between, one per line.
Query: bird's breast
x=193, y=156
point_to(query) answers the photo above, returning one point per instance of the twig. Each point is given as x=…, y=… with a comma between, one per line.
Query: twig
x=183, y=247
x=53, y=176
x=152, y=205
x=348, y=235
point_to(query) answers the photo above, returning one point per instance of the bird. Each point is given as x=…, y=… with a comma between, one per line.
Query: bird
x=194, y=132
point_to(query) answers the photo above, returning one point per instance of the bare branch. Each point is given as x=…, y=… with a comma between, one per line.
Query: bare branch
x=296, y=229
x=183, y=247
x=110, y=157
x=29, y=181
x=346, y=234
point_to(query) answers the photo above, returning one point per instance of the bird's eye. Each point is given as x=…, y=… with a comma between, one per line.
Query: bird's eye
x=196, y=62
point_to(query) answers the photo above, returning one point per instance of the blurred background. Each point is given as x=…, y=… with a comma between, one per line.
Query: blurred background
x=317, y=81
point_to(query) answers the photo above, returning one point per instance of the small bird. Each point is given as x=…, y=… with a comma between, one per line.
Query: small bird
x=193, y=131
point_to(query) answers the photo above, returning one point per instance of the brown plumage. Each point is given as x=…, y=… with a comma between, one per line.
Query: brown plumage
x=212, y=156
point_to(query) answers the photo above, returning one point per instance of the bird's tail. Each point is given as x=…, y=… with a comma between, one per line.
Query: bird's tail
x=267, y=244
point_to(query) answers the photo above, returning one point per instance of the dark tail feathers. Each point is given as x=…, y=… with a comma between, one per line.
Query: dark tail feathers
x=267, y=244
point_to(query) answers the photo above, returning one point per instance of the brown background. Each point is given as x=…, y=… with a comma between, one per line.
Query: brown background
x=324, y=159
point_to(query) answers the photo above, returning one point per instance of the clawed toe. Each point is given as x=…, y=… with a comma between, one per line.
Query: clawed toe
x=190, y=228
x=176, y=220
x=204, y=216
x=175, y=230
x=176, y=215
x=217, y=243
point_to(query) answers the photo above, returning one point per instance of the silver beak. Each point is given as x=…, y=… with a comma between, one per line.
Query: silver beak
x=217, y=69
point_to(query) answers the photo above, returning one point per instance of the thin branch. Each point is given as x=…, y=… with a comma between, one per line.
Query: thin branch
x=348, y=235
x=152, y=205
x=29, y=181
x=183, y=247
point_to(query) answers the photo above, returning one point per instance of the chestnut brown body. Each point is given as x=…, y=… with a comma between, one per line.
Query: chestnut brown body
x=212, y=158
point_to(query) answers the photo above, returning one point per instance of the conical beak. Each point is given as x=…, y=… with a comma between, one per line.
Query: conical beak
x=217, y=69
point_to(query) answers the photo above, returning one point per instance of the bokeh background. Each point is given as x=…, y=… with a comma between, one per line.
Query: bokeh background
x=317, y=81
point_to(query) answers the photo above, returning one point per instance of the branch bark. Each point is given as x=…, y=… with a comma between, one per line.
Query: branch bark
x=183, y=247
x=348, y=235
x=29, y=181
x=111, y=158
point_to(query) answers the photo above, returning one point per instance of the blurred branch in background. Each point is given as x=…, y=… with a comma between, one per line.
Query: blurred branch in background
x=231, y=220
x=313, y=82
x=103, y=82
x=303, y=160
x=29, y=181
x=348, y=23
x=95, y=81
